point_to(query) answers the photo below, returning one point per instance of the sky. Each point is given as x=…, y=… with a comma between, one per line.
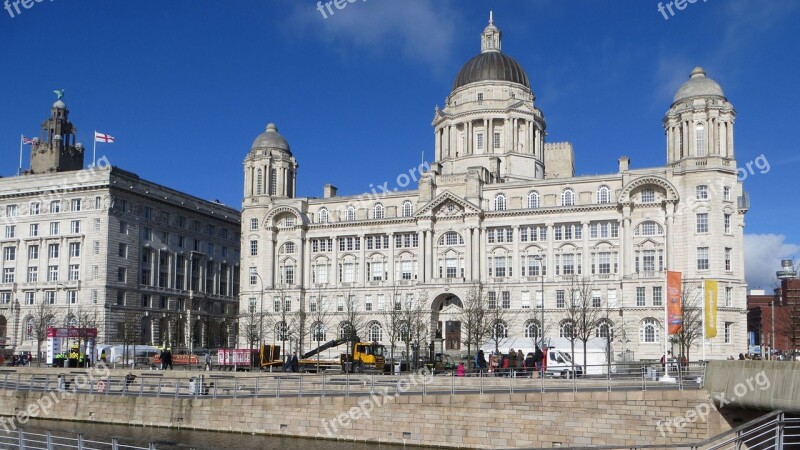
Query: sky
x=186, y=85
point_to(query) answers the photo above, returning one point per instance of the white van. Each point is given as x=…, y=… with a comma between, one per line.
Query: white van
x=559, y=364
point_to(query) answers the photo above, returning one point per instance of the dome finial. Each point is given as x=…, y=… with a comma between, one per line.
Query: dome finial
x=491, y=17
x=490, y=39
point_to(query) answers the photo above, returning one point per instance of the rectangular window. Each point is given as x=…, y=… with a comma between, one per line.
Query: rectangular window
x=33, y=252
x=52, y=273
x=479, y=141
x=728, y=256
x=54, y=227
x=35, y=208
x=75, y=204
x=10, y=254
x=702, y=223
x=8, y=275
x=340, y=303
x=123, y=250
x=123, y=228
x=253, y=276
x=50, y=297
x=96, y=224
x=701, y=192
x=96, y=249
x=702, y=258
x=52, y=251
x=496, y=140
x=726, y=193
x=640, y=296
x=611, y=298
x=657, y=298
x=506, y=298
x=11, y=231
x=11, y=210
x=525, y=300
x=491, y=299
x=147, y=234
x=33, y=274
x=728, y=332
x=560, y=303
x=74, y=272
x=74, y=249
x=55, y=206
x=728, y=296
x=368, y=303
x=5, y=298
x=75, y=227
x=253, y=247
x=34, y=229
x=727, y=223
x=30, y=298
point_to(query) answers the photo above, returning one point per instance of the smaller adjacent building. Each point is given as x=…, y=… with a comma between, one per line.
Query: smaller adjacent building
x=103, y=248
x=773, y=320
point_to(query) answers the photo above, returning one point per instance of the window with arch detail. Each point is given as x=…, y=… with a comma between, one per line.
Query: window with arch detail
x=345, y=330
x=281, y=331
x=500, y=202
x=648, y=228
x=500, y=330
x=323, y=216
x=566, y=329
x=451, y=238
x=375, y=332
x=603, y=194
x=648, y=331
x=407, y=209
x=533, y=200
x=259, y=182
x=568, y=198
x=350, y=213
x=318, y=332
x=532, y=330
x=605, y=330
x=377, y=211
x=288, y=248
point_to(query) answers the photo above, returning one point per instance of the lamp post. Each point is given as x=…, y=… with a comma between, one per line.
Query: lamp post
x=16, y=326
x=540, y=258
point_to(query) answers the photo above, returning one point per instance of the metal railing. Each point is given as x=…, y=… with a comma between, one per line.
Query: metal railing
x=25, y=440
x=771, y=431
x=200, y=385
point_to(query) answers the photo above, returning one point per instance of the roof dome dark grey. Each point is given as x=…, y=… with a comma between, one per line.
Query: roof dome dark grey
x=698, y=85
x=271, y=139
x=494, y=66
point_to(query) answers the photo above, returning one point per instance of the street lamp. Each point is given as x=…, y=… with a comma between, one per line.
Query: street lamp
x=540, y=258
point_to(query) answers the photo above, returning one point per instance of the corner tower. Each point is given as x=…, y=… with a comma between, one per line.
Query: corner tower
x=56, y=149
x=489, y=119
x=270, y=169
x=699, y=124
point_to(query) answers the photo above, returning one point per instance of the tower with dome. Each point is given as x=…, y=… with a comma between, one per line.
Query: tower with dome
x=502, y=217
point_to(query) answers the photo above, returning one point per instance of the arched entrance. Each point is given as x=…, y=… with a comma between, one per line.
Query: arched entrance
x=446, y=312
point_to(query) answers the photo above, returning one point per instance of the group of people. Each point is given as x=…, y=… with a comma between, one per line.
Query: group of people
x=292, y=364
x=166, y=359
x=501, y=364
x=20, y=360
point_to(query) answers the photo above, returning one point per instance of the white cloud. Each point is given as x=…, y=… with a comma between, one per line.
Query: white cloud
x=420, y=30
x=762, y=256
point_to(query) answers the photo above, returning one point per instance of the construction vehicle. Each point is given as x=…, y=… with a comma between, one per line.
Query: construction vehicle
x=363, y=356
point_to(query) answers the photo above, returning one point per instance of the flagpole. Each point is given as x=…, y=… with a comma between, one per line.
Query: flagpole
x=666, y=335
x=94, y=148
x=703, y=299
x=19, y=169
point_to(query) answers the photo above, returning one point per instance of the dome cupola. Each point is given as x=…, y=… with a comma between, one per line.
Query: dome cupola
x=698, y=85
x=270, y=139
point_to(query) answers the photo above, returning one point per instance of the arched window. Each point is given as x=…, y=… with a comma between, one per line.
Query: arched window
x=29, y=325
x=566, y=329
x=408, y=209
x=451, y=238
x=533, y=200
x=532, y=330
x=318, y=332
x=568, y=198
x=273, y=182
x=323, y=216
x=499, y=202
x=500, y=330
x=648, y=331
x=345, y=330
x=375, y=332
x=700, y=139
x=259, y=182
x=377, y=211
x=281, y=331
x=603, y=195
x=604, y=330
x=288, y=249
x=404, y=332
x=350, y=213
x=648, y=228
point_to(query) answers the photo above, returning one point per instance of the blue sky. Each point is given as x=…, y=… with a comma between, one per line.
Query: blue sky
x=186, y=85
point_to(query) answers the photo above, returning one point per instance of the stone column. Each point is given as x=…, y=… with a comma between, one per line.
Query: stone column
x=392, y=269
x=468, y=254
x=586, y=263
x=334, y=272
x=670, y=239
x=626, y=241
x=515, y=256
x=730, y=140
x=305, y=265
x=361, y=276
x=269, y=276
x=437, y=138
x=550, y=260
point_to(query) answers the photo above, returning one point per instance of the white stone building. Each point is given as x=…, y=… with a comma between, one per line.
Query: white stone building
x=497, y=198
x=107, y=243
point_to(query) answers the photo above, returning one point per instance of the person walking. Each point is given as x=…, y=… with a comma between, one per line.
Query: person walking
x=520, y=361
x=461, y=371
x=208, y=361
x=295, y=363
x=481, y=362
x=168, y=359
x=538, y=359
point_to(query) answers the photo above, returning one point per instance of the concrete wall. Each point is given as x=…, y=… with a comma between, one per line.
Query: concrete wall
x=761, y=385
x=469, y=421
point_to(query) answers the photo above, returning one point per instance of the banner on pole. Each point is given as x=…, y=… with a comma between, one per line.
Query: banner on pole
x=674, y=309
x=710, y=319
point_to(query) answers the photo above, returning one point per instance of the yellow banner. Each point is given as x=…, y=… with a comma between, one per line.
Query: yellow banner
x=710, y=320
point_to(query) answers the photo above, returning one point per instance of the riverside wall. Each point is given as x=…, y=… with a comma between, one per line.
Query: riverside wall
x=463, y=421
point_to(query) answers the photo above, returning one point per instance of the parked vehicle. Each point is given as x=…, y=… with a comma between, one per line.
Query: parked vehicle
x=363, y=356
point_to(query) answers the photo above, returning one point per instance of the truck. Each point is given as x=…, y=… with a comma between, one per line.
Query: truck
x=363, y=356
x=246, y=359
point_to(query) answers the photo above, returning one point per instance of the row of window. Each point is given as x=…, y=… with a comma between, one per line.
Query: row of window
x=701, y=223
x=32, y=275
x=53, y=252
x=149, y=213
x=166, y=238
x=33, y=230
x=35, y=208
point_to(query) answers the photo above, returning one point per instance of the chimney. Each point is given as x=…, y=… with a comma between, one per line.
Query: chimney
x=329, y=191
x=624, y=163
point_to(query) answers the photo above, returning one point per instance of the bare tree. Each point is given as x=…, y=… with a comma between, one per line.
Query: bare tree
x=353, y=317
x=473, y=321
x=129, y=332
x=318, y=315
x=250, y=327
x=43, y=318
x=413, y=327
x=692, y=319
x=588, y=314
x=85, y=320
x=571, y=315
x=393, y=319
x=499, y=319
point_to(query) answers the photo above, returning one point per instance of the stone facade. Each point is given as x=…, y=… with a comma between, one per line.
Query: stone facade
x=496, y=200
x=106, y=243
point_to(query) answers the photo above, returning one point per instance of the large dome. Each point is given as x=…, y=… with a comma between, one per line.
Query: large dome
x=271, y=139
x=491, y=66
x=698, y=85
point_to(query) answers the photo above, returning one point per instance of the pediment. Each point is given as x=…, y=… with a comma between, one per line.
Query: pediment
x=447, y=204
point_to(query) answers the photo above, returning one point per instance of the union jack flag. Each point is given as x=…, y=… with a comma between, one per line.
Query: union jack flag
x=26, y=141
